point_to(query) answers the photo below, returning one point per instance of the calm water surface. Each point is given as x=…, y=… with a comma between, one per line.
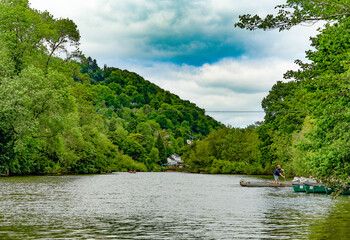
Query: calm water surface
x=164, y=206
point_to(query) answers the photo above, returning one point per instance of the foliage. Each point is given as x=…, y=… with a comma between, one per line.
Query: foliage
x=306, y=121
x=307, y=118
x=62, y=113
x=141, y=117
x=295, y=12
x=226, y=151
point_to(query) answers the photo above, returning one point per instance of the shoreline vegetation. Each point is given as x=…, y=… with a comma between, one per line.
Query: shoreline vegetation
x=166, y=170
x=60, y=113
x=71, y=116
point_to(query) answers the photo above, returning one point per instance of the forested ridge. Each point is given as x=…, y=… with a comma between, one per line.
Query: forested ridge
x=61, y=113
x=307, y=123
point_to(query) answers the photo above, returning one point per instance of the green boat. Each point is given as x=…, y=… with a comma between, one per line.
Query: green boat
x=315, y=188
x=329, y=190
x=345, y=191
x=299, y=187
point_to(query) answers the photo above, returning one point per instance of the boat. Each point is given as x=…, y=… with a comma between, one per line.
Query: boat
x=329, y=190
x=345, y=191
x=245, y=183
x=299, y=187
x=299, y=183
x=310, y=185
x=315, y=188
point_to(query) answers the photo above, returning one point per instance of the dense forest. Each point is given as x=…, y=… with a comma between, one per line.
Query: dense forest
x=307, y=123
x=61, y=113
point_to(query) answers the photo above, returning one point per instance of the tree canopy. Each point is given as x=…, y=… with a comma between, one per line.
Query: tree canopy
x=61, y=113
x=295, y=12
x=312, y=126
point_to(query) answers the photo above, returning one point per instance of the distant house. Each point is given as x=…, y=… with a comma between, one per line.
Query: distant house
x=175, y=160
x=166, y=136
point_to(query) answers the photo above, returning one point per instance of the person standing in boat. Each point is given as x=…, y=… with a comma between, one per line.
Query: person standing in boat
x=278, y=173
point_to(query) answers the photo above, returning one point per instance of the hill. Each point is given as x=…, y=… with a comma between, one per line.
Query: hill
x=61, y=113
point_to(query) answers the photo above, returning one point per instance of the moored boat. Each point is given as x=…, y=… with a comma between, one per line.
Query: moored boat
x=315, y=188
x=245, y=183
x=329, y=190
x=310, y=185
x=344, y=191
x=299, y=187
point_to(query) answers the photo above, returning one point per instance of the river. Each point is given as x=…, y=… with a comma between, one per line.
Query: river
x=164, y=206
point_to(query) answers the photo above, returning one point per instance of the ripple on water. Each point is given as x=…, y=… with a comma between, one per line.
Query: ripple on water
x=163, y=206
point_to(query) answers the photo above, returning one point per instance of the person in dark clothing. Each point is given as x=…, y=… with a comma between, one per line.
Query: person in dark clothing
x=278, y=173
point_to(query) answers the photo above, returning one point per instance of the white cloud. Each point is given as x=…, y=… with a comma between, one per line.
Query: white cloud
x=149, y=29
x=228, y=85
x=157, y=38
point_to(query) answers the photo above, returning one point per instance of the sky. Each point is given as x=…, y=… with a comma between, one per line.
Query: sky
x=190, y=48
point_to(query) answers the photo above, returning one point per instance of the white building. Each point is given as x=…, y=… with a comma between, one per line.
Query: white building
x=175, y=160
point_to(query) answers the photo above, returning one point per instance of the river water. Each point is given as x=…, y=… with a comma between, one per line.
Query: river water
x=164, y=206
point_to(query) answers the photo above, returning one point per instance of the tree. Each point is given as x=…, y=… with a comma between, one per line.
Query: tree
x=33, y=33
x=119, y=135
x=154, y=156
x=58, y=115
x=319, y=89
x=116, y=88
x=34, y=107
x=63, y=35
x=7, y=66
x=163, y=121
x=295, y=12
x=159, y=144
x=23, y=36
x=134, y=149
x=147, y=135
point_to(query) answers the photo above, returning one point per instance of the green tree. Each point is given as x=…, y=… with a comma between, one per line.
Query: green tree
x=319, y=89
x=159, y=144
x=154, y=157
x=147, y=135
x=61, y=113
x=35, y=33
x=34, y=107
x=295, y=12
x=63, y=34
x=134, y=149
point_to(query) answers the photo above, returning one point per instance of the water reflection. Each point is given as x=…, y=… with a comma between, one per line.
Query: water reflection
x=164, y=206
x=334, y=224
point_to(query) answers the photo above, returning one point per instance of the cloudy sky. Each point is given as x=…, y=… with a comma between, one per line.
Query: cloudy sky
x=190, y=48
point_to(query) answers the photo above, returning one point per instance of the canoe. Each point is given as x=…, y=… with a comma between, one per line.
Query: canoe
x=345, y=191
x=299, y=187
x=329, y=190
x=315, y=188
x=245, y=183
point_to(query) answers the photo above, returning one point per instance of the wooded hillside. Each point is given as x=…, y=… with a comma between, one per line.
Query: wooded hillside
x=61, y=113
